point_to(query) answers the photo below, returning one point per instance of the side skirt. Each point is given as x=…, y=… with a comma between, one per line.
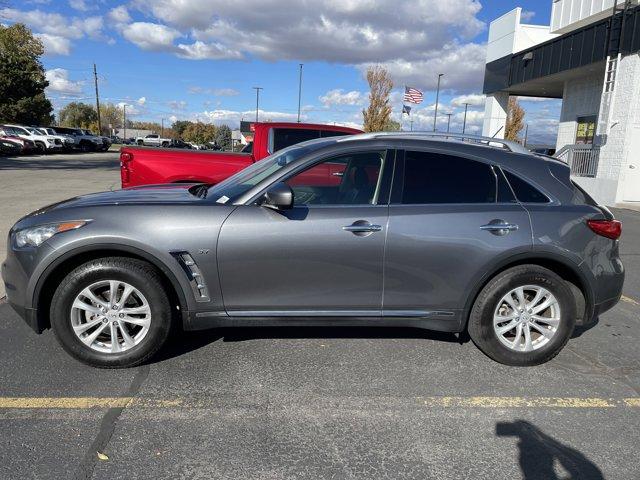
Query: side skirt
x=450, y=322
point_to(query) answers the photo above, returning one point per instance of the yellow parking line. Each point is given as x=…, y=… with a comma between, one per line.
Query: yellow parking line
x=630, y=300
x=82, y=403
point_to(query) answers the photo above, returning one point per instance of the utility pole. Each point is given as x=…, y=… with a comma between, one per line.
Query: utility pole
x=161, y=127
x=257, y=89
x=526, y=134
x=124, y=121
x=435, y=113
x=464, y=122
x=95, y=78
x=299, y=91
x=411, y=124
x=448, y=121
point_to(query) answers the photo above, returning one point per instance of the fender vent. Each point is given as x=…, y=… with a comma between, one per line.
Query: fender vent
x=196, y=280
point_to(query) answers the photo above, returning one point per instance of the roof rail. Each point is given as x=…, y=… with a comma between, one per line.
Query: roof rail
x=463, y=137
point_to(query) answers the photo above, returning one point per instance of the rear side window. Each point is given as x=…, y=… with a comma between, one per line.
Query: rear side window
x=436, y=178
x=332, y=133
x=285, y=137
x=525, y=192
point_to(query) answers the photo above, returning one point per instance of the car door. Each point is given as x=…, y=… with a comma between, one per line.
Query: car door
x=323, y=257
x=451, y=219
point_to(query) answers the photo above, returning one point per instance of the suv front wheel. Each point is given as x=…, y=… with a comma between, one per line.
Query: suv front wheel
x=111, y=312
x=524, y=316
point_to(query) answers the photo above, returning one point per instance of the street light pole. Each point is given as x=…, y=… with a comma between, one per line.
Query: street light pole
x=435, y=113
x=257, y=89
x=464, y=122
x=162, y=128
x=299, y=91
x=448, y=121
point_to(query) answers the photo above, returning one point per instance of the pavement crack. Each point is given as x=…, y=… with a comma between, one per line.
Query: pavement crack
x=107, y=427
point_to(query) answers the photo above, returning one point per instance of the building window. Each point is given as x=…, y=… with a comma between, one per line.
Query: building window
x=586, y=129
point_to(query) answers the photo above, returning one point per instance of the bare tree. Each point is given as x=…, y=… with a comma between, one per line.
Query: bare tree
x=377, y=115
x=515, y=117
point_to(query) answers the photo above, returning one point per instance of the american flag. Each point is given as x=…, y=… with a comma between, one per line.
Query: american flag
x=412, y=95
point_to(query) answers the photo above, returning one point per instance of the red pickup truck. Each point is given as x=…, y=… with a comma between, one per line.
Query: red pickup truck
x=144, y=166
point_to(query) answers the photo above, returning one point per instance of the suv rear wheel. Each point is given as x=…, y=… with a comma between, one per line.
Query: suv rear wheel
x=111, y=312
x=524, y=316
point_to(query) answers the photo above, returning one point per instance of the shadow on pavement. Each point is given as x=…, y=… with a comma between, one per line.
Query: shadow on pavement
x=186, y=342
x=83, y=162
x=538, y=452
x=580, y=329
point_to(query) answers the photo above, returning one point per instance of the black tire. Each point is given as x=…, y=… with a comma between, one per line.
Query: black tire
x=140, y=143
x=41, y=147
x=137, y=273
x=481, y=328
x=85, y=147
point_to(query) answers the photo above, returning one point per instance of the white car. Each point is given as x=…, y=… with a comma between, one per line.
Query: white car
x=44, y=143
x=68, y=141
x=153, y=140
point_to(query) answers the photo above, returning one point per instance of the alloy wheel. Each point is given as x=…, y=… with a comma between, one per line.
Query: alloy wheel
x=110, y=316
x=526, y=318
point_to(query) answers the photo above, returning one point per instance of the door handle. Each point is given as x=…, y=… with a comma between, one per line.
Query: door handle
x=499, y=227
x=338, y=174
x=362, y=228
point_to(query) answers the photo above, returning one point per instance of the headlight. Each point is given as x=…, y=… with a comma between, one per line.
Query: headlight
x=34, y=236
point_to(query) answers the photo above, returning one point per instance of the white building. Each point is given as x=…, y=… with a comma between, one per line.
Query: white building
x=590, y=58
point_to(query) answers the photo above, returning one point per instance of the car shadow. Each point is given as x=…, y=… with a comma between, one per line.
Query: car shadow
x=83, y=162
x=188, y=341
x=538, y=453
x=580, y=329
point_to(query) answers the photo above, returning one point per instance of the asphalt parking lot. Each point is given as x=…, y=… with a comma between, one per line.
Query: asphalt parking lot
x=313, y=402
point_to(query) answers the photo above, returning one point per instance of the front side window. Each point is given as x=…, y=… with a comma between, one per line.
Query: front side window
x=437, y=178
x=348, y=179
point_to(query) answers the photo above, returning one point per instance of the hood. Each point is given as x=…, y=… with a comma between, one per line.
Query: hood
x=168, y=194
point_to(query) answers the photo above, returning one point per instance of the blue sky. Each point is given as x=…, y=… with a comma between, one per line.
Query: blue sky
x=199, y=59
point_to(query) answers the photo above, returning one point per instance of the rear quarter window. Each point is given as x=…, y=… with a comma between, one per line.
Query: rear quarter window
x=524, y=191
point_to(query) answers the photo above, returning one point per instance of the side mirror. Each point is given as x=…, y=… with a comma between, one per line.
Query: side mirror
x=278, y=197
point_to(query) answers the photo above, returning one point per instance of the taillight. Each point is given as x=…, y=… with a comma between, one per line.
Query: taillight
x=125, y=158
x=607, y=228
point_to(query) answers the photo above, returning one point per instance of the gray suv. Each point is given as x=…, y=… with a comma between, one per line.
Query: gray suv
x=457, y=234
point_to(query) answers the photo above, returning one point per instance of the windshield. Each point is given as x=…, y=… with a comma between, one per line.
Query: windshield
x=33, y=131
x=246, y=179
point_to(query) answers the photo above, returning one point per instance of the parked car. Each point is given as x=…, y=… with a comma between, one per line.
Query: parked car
x=148, y=166
x=375, y=229
x=179, y=144
x=68, y=141
x=86, y=142
x=115, y=139
x=43, y=143
x=9, y=147
x=105, y=141
x=153, y=140
x=26, y=146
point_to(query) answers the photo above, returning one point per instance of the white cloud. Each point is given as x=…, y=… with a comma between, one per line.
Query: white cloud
x=473, y=99
x=220, y=116
x=340, y=97
x=463, y=66
x=59, y=82
x=119, y=15
x=56, y=24
x=151, y=36
x=527, y=15
x=54, y=45
x=142, y=100
x=207, y=51
x=80, y=5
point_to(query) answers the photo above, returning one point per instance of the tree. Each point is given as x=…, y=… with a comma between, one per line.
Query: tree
x=22, y=79
x=377, y=115
x=392, y=126
x=199, y=133
x=78, y=114
x=515, y=117
x=111, y=115
x=179, y=126
x=223, y=137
